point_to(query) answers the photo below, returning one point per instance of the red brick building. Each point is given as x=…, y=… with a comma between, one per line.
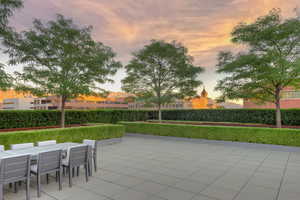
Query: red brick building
x=290, y=99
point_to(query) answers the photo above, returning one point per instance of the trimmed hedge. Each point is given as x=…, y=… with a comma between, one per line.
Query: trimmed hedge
x=75, y=134
x=36, y=118
x=260, y=116
x=288, y=137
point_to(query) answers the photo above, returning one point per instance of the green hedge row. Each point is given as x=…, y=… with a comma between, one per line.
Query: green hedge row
x=35, y=118
x=288, y=137
x=262, y=116
x=76, y=134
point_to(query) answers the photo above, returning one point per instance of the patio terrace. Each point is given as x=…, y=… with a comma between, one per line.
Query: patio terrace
x=166, y=168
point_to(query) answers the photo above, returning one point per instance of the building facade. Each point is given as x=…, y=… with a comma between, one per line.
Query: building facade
x=81, y=103
x=199, y=102
x=16, y=101
x=18, y=104
x=290, y=99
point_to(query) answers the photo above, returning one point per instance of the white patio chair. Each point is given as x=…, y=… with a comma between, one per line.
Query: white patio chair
x=14, y=169
x=45, y=143
x=47, y=162
x=93, y=144
x=77, y=156
x=21, y=146
x=2, y=148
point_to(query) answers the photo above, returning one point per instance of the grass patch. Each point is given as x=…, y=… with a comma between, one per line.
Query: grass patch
x=74, y=134
x=200, y=122
x=288, y=137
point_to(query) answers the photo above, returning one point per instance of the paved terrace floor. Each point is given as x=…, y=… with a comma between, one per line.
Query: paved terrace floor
x=159, y=168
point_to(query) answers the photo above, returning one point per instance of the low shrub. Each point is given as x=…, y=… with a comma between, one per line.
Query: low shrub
x=289, y=137
x=36, y=118
x=260, y=116
x=74, y=134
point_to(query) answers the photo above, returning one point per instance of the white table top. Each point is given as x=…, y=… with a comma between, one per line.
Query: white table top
x=3, y=154
x=34, y=151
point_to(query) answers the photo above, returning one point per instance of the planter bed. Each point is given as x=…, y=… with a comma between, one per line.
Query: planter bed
x=284, y=136
x=199, y=123
x=71, y=134
x=39, y=128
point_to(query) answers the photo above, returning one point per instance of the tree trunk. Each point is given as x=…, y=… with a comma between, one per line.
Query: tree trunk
x=62, y=110
x=278, y=112
x=159, y=112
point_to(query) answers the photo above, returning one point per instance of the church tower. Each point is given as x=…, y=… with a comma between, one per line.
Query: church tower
x=204, y=94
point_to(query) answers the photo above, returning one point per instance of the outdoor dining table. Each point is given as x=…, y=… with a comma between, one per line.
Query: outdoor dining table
x=4, y=154
x=34, y=151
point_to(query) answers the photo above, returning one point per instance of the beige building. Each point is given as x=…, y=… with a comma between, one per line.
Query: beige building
x=18, y=104
x=201, y=101
x=19, y=101
x=81, y=103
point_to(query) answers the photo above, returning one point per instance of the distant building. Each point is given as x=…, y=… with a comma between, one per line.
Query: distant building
x=18, y=104
x=199, y=102
x=230, y=105
x=113, y=101
x=46, y=103
x=13, y=100
x=290, y=99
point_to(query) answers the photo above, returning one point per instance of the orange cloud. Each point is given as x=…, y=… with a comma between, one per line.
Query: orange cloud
x=204, y=26
x=201, y=25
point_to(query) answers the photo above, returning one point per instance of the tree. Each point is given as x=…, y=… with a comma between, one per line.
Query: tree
x=61, y=59
x=271, y=63
x=7, y=7
x=161, y=72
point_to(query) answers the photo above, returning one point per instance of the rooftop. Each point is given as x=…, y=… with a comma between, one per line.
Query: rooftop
x=161, y=168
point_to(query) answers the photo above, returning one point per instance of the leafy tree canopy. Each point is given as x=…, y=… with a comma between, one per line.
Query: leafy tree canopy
x=162, y=71
x=61, y=59
x=7, y=7
x=271, y=63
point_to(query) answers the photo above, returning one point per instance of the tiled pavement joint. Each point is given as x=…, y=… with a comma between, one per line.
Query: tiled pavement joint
x=282, y=178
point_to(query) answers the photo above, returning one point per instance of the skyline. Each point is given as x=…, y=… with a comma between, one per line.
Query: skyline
x=202, y=26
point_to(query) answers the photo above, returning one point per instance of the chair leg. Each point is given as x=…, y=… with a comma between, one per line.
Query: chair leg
x=59, y=179
x=73, y=171
x=89, y=165
x=70, y=177
x=28, y=188
x=47, y=178
x=38, y=180
x=86, y=172
x=95, y=164
x=56, y=177
x=15, y=187
x=64, y=171
x=1, y=192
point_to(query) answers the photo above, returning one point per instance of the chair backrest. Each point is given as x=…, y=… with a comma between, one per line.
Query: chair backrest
x=92, y=143
x=49, y=161
x=2, y=148
x=14, y=168
x=78, y=155
x=21, y=146
x=45, y=143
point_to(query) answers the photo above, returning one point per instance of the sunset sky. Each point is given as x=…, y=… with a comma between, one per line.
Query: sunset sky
x=203, y=26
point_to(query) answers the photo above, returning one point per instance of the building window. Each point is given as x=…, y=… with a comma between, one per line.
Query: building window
x=45, y=101
x=291, y=94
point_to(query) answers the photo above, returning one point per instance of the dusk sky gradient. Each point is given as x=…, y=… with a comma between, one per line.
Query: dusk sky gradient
x=203, y=26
